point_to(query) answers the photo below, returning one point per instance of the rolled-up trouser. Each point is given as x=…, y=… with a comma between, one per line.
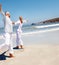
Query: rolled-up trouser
x=18, y=38
x=8, y=42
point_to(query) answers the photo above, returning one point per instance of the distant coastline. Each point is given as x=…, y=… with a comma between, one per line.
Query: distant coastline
x=54, y=20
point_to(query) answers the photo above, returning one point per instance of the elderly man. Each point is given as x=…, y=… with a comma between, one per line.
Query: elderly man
x=8, y=32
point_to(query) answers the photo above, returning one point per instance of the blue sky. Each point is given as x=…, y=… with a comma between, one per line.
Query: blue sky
x=33, y=10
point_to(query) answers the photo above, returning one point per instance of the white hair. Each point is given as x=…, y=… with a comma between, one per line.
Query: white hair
x=7, y=12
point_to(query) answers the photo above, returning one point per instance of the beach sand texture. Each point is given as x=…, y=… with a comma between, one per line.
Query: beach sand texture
x=40, y=49
x=34, y=55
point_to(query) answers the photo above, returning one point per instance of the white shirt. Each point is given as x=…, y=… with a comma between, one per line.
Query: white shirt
x=7, y=23
x=20, y=25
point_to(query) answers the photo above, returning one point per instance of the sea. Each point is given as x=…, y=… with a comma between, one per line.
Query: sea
x=29, y=29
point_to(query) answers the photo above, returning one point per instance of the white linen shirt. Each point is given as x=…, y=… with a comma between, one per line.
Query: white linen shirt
x=7, y=23
x=20, y=25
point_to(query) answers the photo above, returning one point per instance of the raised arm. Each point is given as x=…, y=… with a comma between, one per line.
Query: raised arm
x=17, y=22
x=1, y=10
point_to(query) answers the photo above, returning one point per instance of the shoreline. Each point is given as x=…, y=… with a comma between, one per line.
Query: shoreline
x=36, y=32
x=39, y=37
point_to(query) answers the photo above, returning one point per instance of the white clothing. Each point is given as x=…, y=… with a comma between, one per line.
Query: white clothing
x=19, y=26
x=19, y=32
x=8, y=33
x=18, y=38
x=8, y=43
x=7, y=23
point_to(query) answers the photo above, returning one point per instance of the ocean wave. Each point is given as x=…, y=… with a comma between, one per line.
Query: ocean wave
x=34, y=32
x=37, y=29
x=45, y=26
x=41, y=31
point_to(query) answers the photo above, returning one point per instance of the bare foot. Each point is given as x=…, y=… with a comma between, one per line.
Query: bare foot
x=11, y=55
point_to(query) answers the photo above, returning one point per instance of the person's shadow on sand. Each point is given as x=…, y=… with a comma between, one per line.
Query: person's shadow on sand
x=3, y=56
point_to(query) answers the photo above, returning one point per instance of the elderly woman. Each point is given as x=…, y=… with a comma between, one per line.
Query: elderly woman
x=19, y=32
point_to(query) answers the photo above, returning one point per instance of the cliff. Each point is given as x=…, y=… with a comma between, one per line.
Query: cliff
x=54, y=20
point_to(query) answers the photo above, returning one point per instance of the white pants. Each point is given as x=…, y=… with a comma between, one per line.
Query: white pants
x=8, y=42
x=18, y=38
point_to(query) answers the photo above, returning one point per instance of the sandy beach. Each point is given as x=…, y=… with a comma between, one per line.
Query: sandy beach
x=40, y=49
x=33, y=24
